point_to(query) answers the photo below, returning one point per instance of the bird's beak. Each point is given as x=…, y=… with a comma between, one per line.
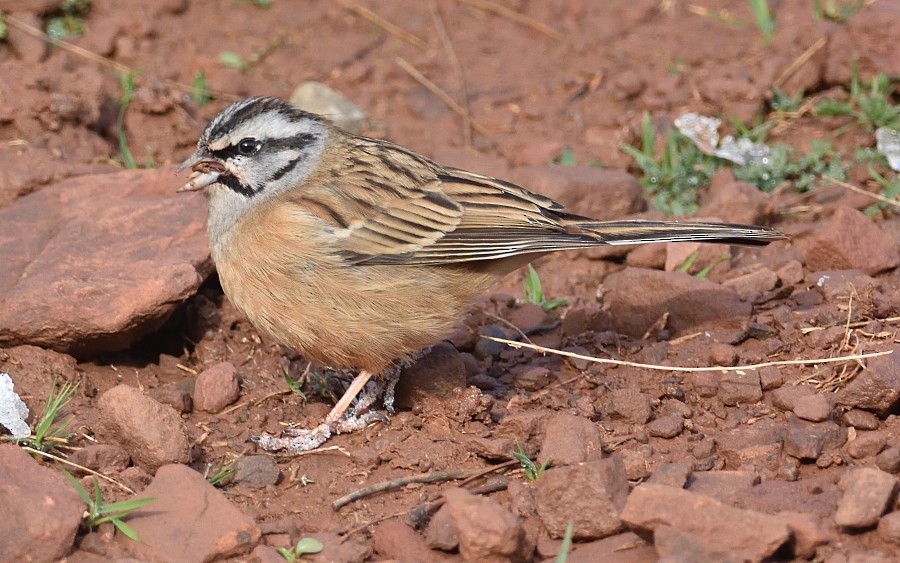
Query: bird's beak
x=206, y=171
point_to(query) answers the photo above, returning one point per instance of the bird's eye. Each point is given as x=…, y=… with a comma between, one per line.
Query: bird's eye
x=249, y=146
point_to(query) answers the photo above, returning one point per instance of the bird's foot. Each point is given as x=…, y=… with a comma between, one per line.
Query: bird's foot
x=304, y=439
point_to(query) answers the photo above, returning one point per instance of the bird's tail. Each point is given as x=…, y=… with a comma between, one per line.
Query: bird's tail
x=638, y=232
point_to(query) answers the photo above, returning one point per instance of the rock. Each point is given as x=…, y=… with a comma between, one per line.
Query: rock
x=717, y=528
x=791, y=273
x=626, y=547
x=649, y=256
x=860, y=419
x=888, y=460
x=256, y=471
x=532, y=378
x=190, y=520
x=394, y=540
x=807, y=440
x=755, y=447
x=740, y=387
x=667, y=426
x=629, y=404
x=585, y=190
x=174, y=395
x=866, y=444
x=485, y=348
x=877, y=388
x=674, y=474
x=151, y=433
x=770, y=377
x=705, y=383
x=528, y=317
x=438, y=375
x=785, y=398
x=721, y=354
x=570, y=439
x=808, y=533
x=837, y=285
x=867, y=493
x=33, y=370
x=889, y=527
x=41, y=510
x=441, y=531
x=727, y=487
x=590, y=495
x=338, y=548
x=837, y=245
x=735, y=201
x=141, y=252
x=216, y=388
x=486, y=530
x=469, y=159
x=692, y=304
x=103, y=458
x=316, y=97
x=752, y=285
x=814, y=407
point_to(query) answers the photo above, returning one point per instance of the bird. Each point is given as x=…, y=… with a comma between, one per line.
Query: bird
x=360, y=253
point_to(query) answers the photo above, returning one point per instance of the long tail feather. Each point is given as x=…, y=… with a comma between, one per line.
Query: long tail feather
x=636, y=232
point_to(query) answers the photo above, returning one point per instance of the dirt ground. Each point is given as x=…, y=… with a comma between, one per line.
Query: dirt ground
x=533, y=94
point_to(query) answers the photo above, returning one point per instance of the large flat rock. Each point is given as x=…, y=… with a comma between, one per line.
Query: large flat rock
x=94, y=262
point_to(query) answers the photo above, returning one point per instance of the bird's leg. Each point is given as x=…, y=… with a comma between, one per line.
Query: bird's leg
x=343, y=418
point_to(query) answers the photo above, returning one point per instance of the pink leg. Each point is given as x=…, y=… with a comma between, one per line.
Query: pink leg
x=357, y=385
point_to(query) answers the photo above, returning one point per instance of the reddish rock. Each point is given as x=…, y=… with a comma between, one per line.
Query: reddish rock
x=692, y=304
x=877, y=388
x=725, y=486
x=190, y=520
x=141, y=252
x=751, y=447
x=752, y=285
x=589, y=495
x=439, y=374
x=850, y=241
x=649, y=256
x=528, y=316
x=441, y=531
x=487, y=531
x=808, y=440
x=735, y=201
x=394, y=540
x=594, y=192
x=104, y=458
x=889, y=460
x=721, y=354
x=814, y=407
x=866, y=444
x=808, y=532
x=570, y=439
x=151, y=433
x=667, y=426
x=532, y=378
x=216, y=387
x=785, y=398
x=791, y=273
x=629, y=404
x=671, y=474
x=889, y=527
x=626, y=547
x=867, y=494
x=42, y=510
x=256, y=471
x=715, y=527
x=740, y=387
x=860, y=419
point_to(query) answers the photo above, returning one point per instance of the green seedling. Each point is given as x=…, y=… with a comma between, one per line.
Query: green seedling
x=563, y=555
x=220, y=474
x=534, y=293
x=836, y=11
x=764, y=20
x=200, y=89
x=533, y=472
x=566, y=158
x=127, y=84
x=67, y=20
x=869, y=103
x=306, y=546
x=48, y=433
x=888, y=188
x=230, y=59
x=704, y=273
x=785, y=103
x=294, y=385
x=4, y=30
x=98, y=512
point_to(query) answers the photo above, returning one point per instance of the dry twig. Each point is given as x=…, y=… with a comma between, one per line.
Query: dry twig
x=515, y=16
x=377, y=20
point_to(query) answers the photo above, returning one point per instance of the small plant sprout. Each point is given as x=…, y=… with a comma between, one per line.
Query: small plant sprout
x=534, y=294
x=200, y=89
x=127, y=84
x=219, y=474
x=563, y=555
x=97, y=512
x=230, y=59
x=764, y=20
x=532, y=470
x=48, y=432
x=306, y=546
x=295, y=385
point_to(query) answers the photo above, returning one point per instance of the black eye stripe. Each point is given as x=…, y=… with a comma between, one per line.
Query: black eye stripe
x=295, y=142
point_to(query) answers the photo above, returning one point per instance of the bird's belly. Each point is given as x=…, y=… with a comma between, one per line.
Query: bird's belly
x=362, y=317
